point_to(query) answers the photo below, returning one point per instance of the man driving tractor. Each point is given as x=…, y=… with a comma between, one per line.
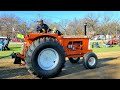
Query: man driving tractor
x=43, y=28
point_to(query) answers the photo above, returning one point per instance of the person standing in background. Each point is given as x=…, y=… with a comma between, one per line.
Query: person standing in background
x=6, y=42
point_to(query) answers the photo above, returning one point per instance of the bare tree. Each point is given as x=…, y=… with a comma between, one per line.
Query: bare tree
x=63, y=25
x=92, y=22
x=11, y=25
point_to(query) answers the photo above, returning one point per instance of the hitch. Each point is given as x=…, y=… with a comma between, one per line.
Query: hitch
x=18, y=58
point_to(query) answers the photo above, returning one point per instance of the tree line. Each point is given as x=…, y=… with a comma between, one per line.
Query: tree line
x=11, y=25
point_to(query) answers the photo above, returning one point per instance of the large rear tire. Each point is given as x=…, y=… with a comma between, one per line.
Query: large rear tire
x=45, y=58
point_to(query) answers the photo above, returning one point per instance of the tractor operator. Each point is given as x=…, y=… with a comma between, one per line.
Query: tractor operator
x=42, y=28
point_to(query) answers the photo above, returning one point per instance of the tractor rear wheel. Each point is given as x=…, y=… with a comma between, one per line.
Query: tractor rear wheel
x=90, y=60
x=45, y=58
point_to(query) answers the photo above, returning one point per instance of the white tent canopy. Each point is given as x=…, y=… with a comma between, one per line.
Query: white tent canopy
x=2, y=37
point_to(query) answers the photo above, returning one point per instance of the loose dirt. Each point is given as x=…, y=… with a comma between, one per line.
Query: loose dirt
x=107, y=68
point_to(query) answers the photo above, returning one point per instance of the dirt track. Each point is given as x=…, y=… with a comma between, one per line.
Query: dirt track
x=108, y=68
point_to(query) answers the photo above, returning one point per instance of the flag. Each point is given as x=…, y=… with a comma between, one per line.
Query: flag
x=21, y=36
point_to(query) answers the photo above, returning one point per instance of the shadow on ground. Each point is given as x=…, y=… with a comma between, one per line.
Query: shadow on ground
x=77, y=68
x=69, y=68
x=108, y=59
x=8, y=73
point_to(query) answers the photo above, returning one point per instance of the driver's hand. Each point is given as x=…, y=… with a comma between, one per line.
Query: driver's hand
x=43, y=30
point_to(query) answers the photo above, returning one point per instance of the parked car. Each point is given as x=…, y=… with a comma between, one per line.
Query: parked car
x=98, y=37
x=101, y=37
x=113, y=41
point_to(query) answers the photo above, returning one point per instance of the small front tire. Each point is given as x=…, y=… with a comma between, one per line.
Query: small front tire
x=90, y=60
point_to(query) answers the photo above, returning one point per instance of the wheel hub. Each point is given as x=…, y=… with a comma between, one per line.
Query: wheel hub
x=48, y=59
x=91, y=61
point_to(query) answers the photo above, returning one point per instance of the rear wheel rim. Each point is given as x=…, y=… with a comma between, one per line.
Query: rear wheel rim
x=48, y=59
x=91, y=61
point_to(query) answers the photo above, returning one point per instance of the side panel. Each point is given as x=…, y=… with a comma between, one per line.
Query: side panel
x=76, y=47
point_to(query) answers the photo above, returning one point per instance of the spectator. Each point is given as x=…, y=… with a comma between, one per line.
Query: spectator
x=8, y=38
x=106, y=44
x=97, y=45
x=6, y=42
x=1, y=45
x=119, y=43
x=93, y=44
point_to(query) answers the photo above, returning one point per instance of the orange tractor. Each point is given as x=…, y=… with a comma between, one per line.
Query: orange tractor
x=44, y=53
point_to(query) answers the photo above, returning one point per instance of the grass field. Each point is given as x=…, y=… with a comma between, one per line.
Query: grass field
x=17, y=48
x=13, y=48
x=104, y=49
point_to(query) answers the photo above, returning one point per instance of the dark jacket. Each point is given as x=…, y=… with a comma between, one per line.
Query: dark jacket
x=40, y=27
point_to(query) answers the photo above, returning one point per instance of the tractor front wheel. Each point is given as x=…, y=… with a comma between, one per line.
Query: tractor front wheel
x=90, y=60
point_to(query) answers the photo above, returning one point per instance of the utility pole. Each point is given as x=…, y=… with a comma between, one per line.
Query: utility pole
x=85, y=25
x=13, y=30
x=116, y=30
